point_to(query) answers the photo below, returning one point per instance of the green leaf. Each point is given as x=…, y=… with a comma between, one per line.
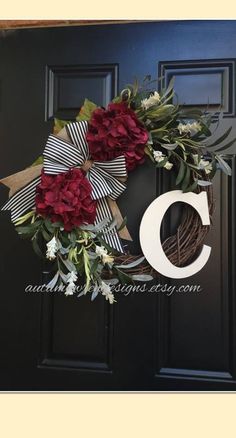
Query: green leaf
x=64, y=239
x=223, y=165
x=48, y=225
x=28, y=229
x=169, y=147
x=186, y=179
x=46, y=236
x=57, y=224
x=96, y=228
x=205, y=130
x=148, y=152
x=68, y=264
x=94, y=266
x=24, y=218
x=214, y=169
x=203, y=183
x=117, y=99
x=131, y=265
x=59, y=125
x=169, y=88
x=191, y=113
x=80, y=266
x=86, y=111
x=95, y=293
x=111, y=281
x=124, y=278
x=53, y=281
x=181, y=173
x=36, y=248
x=168, y=98
x=38, y=160
x=142, y=277
x=192, y=187
x=160, y=113
x=73, y=237
x=86, y=269
x=135, y=86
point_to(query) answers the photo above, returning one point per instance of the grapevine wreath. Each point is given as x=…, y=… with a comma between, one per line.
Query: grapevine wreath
x=66, y=201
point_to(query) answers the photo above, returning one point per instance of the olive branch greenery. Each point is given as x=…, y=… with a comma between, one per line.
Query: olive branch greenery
x=185, y=151
x=76, y=251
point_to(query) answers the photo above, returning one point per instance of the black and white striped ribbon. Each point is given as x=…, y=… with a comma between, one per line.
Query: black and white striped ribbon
x=22, y=201
x=60, y=156
x=103, y=177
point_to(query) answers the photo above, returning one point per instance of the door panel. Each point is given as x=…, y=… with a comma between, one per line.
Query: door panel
x=66, y=86
x=146, y=341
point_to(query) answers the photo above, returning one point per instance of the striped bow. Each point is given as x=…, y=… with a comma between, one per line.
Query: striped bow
x=61, y=155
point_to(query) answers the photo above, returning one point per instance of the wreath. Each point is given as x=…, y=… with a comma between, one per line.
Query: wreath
x=66, y=201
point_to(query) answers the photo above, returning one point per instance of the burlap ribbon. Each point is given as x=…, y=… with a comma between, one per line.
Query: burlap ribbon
x=63, y=151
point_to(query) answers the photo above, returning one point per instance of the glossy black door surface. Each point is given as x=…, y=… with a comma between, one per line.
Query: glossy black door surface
x=186, y=341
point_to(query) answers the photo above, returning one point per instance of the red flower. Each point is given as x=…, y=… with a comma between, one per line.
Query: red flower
x=66, y=198
x=117, y=131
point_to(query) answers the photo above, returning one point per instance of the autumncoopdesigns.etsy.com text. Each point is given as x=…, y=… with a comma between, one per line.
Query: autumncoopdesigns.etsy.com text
x=165, y=289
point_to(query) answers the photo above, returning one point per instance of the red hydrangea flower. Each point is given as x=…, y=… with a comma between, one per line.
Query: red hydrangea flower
x=117, y=131
x=66, y=198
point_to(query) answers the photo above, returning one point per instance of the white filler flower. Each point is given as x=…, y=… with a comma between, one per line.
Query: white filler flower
x=103, y=254
x=205, y=165
x=106, y=291
x=202, y=164
x=52, y=248
x=71, y=278
x=158, y=156
x=168, y=165
x=153, y=99
x=189, y=128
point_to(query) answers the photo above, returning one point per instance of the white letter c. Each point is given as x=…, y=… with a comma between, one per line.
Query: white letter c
x=150, y=239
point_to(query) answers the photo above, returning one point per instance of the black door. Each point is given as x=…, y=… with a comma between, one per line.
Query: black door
x=186, y=341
